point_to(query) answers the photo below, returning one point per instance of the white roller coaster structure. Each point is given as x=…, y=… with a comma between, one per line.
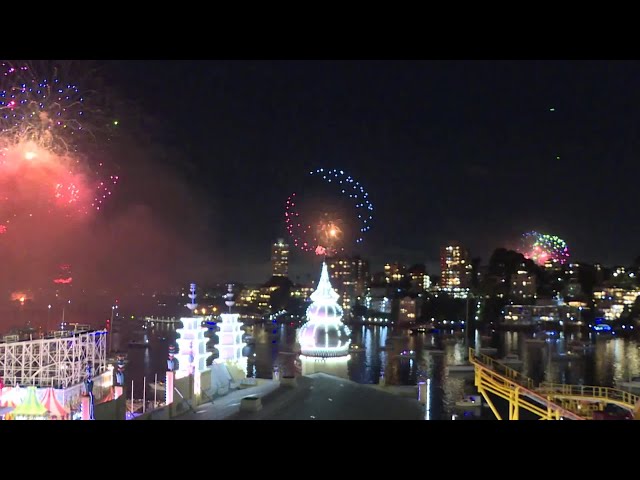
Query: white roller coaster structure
x=53, y=362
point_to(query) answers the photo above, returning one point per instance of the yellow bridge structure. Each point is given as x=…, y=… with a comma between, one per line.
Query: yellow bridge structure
x=548, y=401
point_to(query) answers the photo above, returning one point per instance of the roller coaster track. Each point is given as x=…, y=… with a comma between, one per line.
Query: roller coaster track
x=547, y=401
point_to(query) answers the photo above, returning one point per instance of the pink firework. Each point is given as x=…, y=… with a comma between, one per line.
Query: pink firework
x=35, y=181
x=45, y=125
x=313, y=221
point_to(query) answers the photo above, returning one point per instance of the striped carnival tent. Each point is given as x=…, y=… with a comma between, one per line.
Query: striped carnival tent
x=30, y=408
x=56, y=410
x=12, y=396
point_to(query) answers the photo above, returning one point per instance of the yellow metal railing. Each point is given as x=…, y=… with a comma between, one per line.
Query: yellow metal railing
x=502, y=370
x=611, y=395
x=493, y=376
x=498, y=379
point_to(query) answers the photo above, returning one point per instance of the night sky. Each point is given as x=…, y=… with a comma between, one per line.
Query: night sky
x=477, y=151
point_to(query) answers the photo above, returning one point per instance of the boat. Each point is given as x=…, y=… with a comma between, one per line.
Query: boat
x=566, y=357
x=114, y=356
x=488, y=350
x=355, y=348
x=139, y=343
x=632, y=384
x=408, y=354
x=461, y=368
x=422, y=329
x=581, y=345
x=470, y=401
x=511, y=360
x=434, y=351
x=601, y=327
x=612, y=416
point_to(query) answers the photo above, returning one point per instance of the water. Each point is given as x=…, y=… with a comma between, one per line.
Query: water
x=609, y=361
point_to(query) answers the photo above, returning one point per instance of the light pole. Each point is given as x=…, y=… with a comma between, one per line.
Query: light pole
x=113, y=307
x=63, y=307
x=48, y=319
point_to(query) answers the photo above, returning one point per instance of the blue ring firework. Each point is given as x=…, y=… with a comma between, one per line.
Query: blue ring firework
x=305, y=237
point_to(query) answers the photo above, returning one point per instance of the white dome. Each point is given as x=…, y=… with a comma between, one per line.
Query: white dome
x=324, y=339
x=328, y=312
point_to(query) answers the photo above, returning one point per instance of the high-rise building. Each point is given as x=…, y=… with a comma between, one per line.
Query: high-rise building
x=394, y=272
x=418, y=278
x=455, y=267
x=280, y=258
x=523, y=286
x=341, y=271
x=362, y=275
x=350, y=275
x=408, y=310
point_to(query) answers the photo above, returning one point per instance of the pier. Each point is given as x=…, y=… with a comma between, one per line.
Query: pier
x=167, y=320
x=546, y=401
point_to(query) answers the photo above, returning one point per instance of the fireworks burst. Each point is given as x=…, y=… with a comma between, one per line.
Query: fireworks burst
x=44, y=125
x=46, y=111
x=330, y=230
x=542, y=248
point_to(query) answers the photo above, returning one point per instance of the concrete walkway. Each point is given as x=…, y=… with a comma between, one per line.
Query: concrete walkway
x=229, y=405
x=316, y=397
x=325, y=397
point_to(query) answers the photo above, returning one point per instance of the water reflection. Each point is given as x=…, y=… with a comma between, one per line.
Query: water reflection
x=601, y=360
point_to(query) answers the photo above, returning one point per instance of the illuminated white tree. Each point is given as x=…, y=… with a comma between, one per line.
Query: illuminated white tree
x=324, y=334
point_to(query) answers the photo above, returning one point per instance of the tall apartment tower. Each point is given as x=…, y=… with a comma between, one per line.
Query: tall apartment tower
x=280, y=259
x=350, y=276
x=455, y=266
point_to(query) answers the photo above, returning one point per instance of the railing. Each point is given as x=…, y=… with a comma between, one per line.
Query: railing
x=489, y=363
x=517, y=389
x=498, y=373
x=613, y=395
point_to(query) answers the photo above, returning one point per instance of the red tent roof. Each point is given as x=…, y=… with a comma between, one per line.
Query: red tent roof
x=51, y=403
x=11, y=396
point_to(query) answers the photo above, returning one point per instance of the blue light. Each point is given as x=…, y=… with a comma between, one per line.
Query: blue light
x=603, y=327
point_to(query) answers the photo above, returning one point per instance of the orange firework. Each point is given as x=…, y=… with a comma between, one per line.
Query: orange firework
x=329, y=234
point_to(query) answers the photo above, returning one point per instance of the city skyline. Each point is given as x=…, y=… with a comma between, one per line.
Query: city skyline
x=442, y=146
x=319, y=239
x=474, y=151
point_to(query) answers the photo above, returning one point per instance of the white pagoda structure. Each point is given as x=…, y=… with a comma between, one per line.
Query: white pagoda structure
x=230, y=333
x=324, y=335
x=192, y=344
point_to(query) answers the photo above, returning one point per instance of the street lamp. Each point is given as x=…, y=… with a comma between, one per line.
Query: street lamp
x=48, y=318
x=63, y=307
x=113, y=309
